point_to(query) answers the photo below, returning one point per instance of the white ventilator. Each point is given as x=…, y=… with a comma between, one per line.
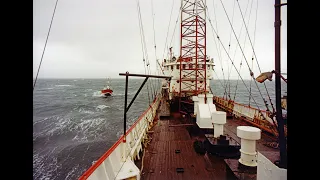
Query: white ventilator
x=248, y=135
x=219, y=118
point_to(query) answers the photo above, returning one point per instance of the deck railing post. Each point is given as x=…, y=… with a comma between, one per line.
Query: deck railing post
x=125, y=118
x=127, y=108
x=282, y=141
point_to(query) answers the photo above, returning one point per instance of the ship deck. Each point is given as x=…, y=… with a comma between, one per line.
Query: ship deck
x=161, y=161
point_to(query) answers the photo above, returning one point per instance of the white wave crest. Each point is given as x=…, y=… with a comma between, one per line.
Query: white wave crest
x=81, y=110
x=63, y=85
x=97, y=94
x=101, y=107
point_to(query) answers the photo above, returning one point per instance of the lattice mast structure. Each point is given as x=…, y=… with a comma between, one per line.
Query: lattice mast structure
x=193, y=55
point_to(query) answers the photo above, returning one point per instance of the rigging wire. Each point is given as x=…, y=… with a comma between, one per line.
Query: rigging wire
x=155, y=91
x=215, y=32
x=218, y=46
x=45, y=45
x=254, y=39
x=155, y=44
x=257, y=63
x=240, y=33
x=220, y=81
x=142, y=46
x=154, y=31
x=174, y=30
x=165, y=46
x=228, y=81
x=173, y=34
x=251, y=73
x=244, y=45
x=219, y=53
x=147, y=59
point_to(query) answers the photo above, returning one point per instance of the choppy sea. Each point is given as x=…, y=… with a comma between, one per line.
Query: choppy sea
x=73, y=125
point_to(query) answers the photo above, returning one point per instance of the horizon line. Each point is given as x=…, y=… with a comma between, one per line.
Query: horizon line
x=113, y=78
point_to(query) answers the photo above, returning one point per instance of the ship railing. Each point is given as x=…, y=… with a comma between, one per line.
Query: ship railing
x=115, y=164
x=259, y=118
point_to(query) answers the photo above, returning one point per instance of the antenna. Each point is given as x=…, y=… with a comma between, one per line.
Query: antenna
x=193, y=71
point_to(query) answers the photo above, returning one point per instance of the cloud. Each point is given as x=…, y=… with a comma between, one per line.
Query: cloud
x=101, y=38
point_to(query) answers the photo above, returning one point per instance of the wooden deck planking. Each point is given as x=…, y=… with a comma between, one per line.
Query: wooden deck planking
x=161, y=161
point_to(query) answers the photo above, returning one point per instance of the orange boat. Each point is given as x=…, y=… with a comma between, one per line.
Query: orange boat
x=107, y=91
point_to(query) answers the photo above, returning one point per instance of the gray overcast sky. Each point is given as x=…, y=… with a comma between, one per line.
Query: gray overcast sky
x=100, y=38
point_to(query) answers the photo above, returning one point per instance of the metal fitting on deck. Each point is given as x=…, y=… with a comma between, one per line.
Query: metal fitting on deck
x=195, y=104
x=209, y=98
x=248, y=135
x=219, y=118
x=201, y=98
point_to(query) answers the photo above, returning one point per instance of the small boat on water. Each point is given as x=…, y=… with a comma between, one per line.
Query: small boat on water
x=107, y=91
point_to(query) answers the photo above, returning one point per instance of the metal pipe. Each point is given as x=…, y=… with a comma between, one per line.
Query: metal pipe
x=127, y=74
x=135, y=96
x=282, y=141
x=143, y=75
x=125, y=108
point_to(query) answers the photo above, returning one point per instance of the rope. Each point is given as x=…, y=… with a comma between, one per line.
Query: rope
x=257, y=63
x=254, y=39
x=218, y=47
x=235, y=52
x=148, y=139
x=45, y=45
x=165, y=46
x=244, y=45
x=228, y=82
x=250, y=83
x=221, y=82
x=155, y=45
x=145, y=60
x=174, y=30
x=233, y=64
x=251, y=73
x=154, y=31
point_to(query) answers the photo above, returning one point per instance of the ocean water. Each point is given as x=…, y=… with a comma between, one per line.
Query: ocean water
x=73, y=125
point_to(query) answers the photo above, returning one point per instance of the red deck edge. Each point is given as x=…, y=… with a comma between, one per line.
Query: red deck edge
x=259, y=126
x=113, y=147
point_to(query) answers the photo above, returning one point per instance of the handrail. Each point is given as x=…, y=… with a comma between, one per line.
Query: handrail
x=86, y=174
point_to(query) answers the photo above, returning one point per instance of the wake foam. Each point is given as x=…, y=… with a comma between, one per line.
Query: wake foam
x=97, y=94
x=101, y=107
x=63, y=85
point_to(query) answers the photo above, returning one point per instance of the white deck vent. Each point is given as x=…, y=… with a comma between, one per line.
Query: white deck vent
x=248, y=135
x=195, y=104
x=201, y=98
x=210, y=98
x=204, y=116
x=219, y=118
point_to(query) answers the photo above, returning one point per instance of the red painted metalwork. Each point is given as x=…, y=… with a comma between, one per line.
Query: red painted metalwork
x=192, y=49
x=106, y=91
x=257, y=121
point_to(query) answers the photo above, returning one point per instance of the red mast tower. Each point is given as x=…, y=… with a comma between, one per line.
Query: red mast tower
x=193, y=57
